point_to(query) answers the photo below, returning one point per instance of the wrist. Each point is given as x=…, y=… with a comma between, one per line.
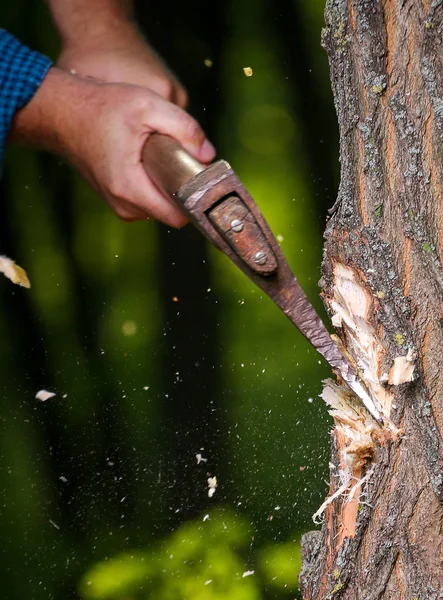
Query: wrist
x=44, y=121
x=80, y=52
x=111, y=21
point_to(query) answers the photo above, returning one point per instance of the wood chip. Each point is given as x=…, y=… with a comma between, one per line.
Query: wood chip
x=212, y=484
x=402, y=370
x=13, y=272
x=44, y=395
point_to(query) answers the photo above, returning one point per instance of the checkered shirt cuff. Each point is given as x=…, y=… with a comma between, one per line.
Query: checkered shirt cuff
x=21, y=72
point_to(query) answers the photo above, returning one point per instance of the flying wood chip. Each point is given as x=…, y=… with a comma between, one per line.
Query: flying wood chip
x=212, y=484
x=247, y=71
x=13, y=272
x=44, y=395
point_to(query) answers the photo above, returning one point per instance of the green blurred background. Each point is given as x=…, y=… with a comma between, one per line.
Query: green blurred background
x=101, y=493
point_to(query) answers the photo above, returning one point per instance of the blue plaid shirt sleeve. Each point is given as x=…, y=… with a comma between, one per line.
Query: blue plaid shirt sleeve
x=21, y=72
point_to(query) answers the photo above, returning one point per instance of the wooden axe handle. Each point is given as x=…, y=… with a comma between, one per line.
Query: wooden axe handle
x=168, y=164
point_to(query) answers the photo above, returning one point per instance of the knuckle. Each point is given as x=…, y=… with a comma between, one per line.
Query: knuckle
x=166, y=89
x=193, y=131
x=182, y=98
x=123, y=211
x=178, y=221
x=124, y=215
x=138, y=106
x=116, y=189
x=162, y=87
x=121, y=187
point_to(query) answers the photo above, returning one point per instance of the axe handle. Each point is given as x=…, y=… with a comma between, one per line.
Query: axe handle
x=168, y=164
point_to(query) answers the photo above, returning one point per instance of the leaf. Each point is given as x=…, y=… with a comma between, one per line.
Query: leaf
x=119, y=577
x=13, y=272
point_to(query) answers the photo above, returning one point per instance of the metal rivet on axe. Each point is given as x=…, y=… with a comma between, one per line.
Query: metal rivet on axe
x=237, y=225
x=260, y=258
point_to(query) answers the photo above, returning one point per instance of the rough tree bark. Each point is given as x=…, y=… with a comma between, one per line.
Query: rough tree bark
x=383, y=285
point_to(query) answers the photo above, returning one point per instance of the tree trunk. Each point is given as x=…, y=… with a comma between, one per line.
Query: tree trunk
x=382, y=283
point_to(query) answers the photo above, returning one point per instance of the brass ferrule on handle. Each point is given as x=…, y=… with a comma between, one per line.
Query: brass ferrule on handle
x=168, y=164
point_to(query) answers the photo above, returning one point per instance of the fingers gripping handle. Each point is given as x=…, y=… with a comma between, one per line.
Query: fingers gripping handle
x=168, y=164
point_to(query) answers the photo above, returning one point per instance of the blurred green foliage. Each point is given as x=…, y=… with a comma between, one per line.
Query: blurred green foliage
x=101, y=483
x=205, y=559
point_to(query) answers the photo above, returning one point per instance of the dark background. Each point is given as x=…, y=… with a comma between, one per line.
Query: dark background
x=101, y=495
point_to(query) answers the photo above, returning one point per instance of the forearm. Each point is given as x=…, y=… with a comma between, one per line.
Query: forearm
x=87, y=21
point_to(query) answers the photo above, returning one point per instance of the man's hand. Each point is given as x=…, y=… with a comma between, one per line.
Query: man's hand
x=101, y=130
x=100, y=39
x=126, y=58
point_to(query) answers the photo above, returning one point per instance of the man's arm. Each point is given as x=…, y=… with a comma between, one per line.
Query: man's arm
x=87, y=21
x=101, y=129
x=100, y=39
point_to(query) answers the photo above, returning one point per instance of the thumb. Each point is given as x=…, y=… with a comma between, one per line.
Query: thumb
x=171, y=120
